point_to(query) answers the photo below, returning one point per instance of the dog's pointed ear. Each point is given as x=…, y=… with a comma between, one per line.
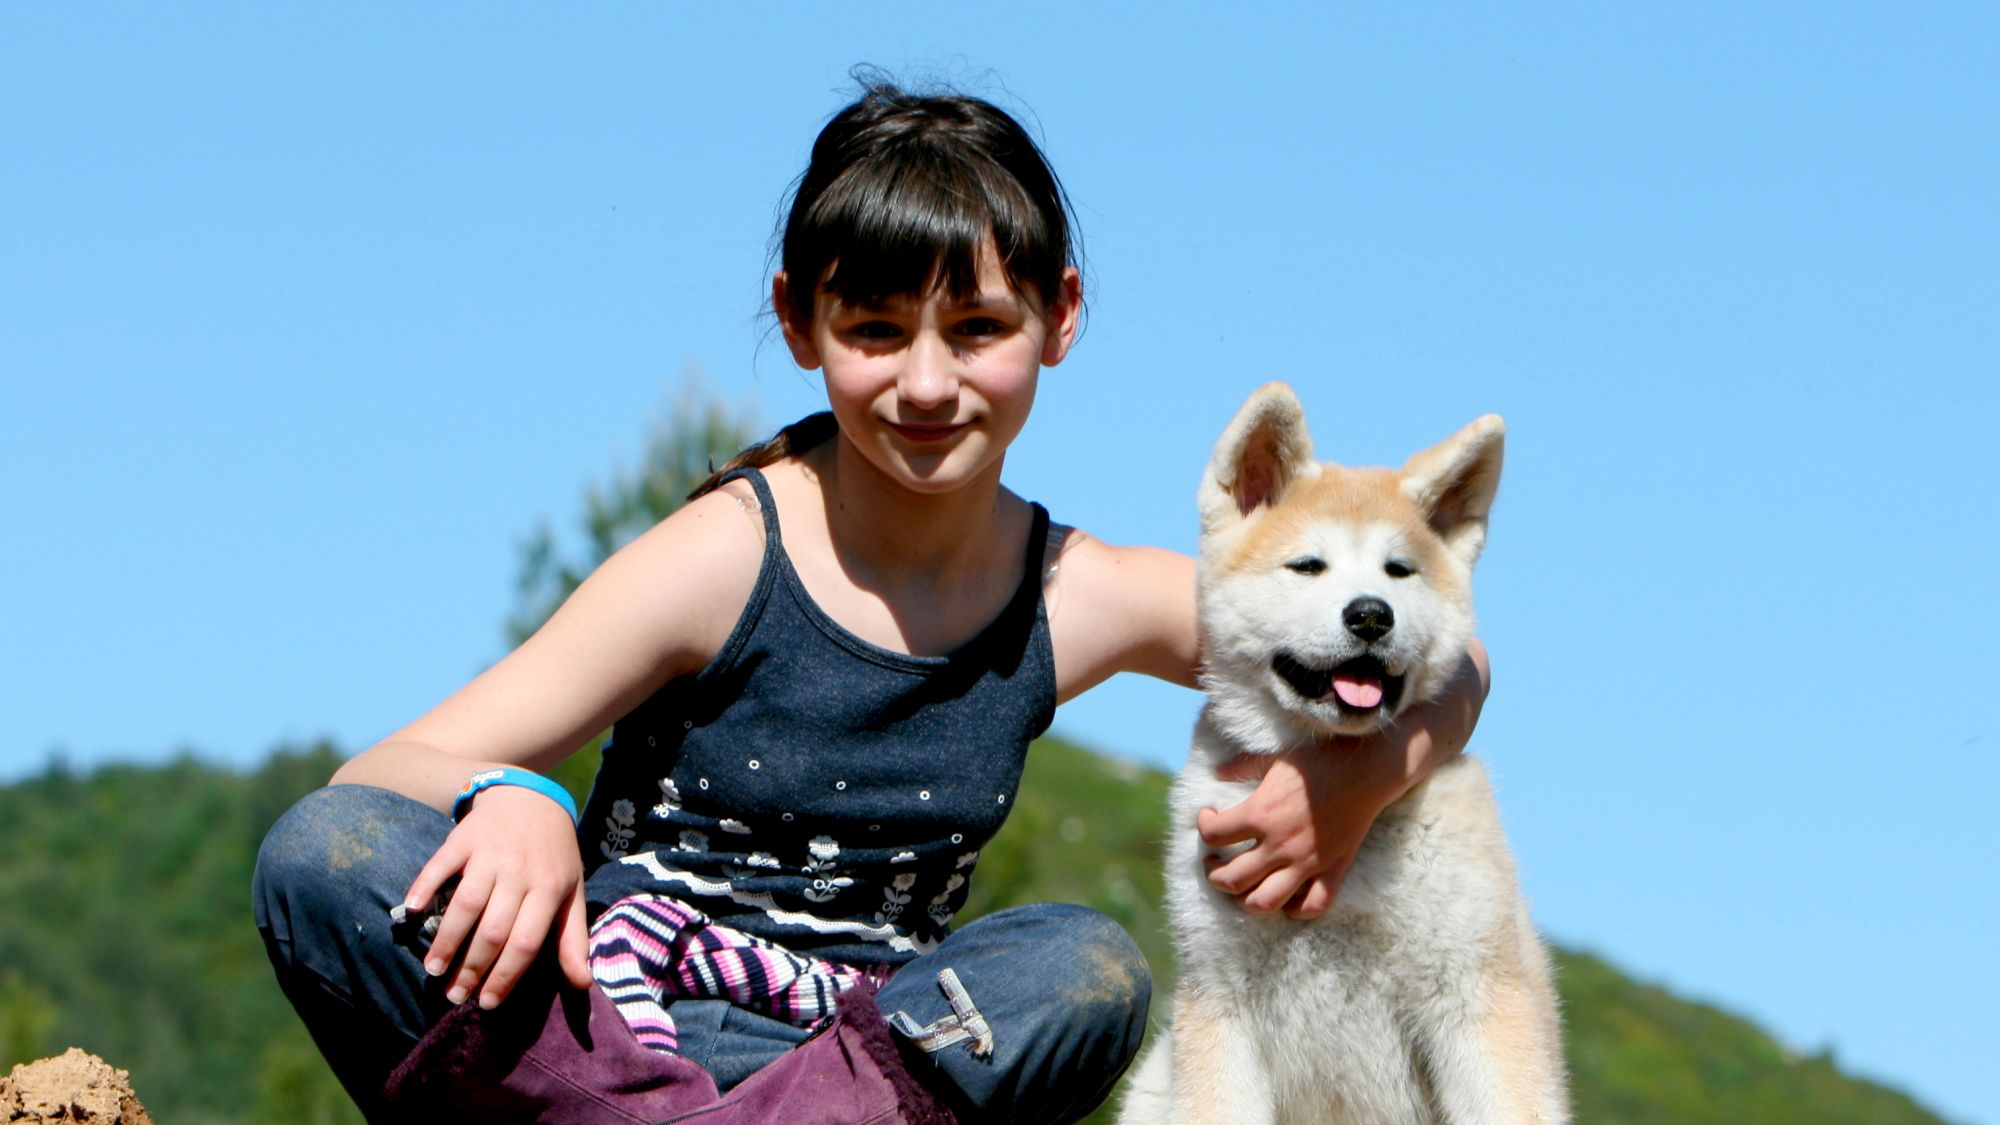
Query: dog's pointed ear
x=1264, y=450
x=1453, y=483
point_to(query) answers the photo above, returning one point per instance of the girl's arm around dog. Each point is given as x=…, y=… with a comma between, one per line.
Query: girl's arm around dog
x=1311, y=810
x=1132, y=609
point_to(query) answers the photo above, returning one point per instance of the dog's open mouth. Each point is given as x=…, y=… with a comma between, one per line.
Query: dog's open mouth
x=1361, y=686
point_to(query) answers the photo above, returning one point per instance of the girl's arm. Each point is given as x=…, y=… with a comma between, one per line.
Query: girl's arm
x=1132, y=609
x=1120, y=609
x=1314, y=804
x=658, y=608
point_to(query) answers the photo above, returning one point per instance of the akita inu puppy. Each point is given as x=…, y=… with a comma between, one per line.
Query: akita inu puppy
x=1331, y=600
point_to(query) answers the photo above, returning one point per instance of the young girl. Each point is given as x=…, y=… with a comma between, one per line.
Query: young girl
x=822, y=675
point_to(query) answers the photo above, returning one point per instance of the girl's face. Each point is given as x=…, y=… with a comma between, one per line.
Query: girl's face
x=931, y=390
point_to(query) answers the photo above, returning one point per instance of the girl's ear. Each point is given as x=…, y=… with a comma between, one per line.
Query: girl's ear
x=1064, y=316
x=798, y=337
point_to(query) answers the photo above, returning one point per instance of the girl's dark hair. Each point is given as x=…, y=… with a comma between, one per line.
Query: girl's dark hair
x=795, y=438
x=903, y=190
x=901, y=193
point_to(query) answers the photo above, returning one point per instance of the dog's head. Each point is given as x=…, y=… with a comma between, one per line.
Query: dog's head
x=1332, y=598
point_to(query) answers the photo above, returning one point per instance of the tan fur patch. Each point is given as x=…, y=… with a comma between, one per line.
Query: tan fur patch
x=1353, y=496
x=1201, y=1059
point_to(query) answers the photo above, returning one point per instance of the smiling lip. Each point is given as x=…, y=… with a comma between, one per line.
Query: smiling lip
x=926, y=434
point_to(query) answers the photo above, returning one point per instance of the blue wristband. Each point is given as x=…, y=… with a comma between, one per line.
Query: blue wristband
x=508, y=775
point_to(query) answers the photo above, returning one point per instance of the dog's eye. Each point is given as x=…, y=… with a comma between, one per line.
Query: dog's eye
x=1307, y=565
x=1397, y=568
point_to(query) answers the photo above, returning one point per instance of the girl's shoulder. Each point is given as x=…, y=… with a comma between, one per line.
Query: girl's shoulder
x=660, y=607
x=1117, y=609
x=684, y=582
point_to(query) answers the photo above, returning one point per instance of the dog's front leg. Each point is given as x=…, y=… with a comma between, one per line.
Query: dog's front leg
x=1219, y=1078
x=1504, y=1063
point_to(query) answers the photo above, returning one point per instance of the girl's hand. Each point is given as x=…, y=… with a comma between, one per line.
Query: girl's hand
x=1308, y=816
x=1314, y=804
x=519, y=877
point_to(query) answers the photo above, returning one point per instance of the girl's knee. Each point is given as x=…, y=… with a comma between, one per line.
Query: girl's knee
x=1064, y=992
x=339, y=841
x=1076, y=962
x=1084, y=948
x=1111, y=971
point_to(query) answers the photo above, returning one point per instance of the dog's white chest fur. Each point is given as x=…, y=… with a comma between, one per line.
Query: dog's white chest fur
x=1425, y=877
x=1349, y=1010
x=1331, y=601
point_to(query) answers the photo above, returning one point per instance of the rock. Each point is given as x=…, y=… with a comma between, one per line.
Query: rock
x=76, y=1086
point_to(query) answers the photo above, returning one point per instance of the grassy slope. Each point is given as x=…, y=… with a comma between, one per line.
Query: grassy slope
x=125, y=929
x=1637, y=1054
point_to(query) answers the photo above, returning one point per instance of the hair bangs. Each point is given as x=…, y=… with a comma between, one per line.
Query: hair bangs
x=900, y=232
x=907, y=228
x=904, y=193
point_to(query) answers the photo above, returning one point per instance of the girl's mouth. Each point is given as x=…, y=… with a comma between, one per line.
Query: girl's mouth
x=926, y=433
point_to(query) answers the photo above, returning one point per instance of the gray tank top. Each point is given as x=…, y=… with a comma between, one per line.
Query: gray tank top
x=816, y=789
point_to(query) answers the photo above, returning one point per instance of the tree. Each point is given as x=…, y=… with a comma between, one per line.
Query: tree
x=698, y=434
x=26, y=1015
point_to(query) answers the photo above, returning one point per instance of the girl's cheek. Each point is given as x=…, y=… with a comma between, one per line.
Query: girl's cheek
x=1019, y=358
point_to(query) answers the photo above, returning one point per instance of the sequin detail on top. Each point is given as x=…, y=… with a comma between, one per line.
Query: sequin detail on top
x=815, y=790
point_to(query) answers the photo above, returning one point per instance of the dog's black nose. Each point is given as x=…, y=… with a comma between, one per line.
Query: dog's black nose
x=1369, y=618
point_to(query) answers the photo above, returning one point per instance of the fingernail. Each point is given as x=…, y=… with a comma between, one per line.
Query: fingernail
x=434, y=967
x=456, y=995
x=488, y=1001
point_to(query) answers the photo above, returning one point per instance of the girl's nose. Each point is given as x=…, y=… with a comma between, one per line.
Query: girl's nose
x=930, y=377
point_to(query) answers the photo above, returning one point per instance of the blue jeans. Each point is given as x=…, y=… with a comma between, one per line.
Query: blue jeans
x=1063, y=989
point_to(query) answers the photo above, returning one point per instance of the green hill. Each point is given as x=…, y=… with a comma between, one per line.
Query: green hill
x=125, y=929
x=1087, y=830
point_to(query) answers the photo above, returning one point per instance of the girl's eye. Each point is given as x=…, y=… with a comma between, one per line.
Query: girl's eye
x=875, y=330
x=1306, y=565
x=980, y=326
x=1397, y=568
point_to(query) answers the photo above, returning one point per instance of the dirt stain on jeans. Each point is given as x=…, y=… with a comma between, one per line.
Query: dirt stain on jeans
x=1118, y=977
x=346, y=849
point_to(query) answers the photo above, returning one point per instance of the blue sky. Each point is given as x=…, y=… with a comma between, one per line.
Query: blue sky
x=308, y=316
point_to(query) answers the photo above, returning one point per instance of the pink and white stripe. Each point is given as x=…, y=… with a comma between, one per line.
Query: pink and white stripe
x=648, y=951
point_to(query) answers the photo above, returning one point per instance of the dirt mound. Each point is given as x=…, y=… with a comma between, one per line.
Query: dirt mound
x=74, y=1086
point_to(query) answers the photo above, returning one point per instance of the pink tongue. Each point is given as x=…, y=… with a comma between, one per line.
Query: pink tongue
x=1357, y=693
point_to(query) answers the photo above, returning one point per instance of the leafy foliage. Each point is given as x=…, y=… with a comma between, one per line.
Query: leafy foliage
x=697, y=436
x=125, y=929
x=1641, y=1055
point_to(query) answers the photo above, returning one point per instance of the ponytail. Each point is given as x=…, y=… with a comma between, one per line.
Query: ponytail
x=787, y=442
